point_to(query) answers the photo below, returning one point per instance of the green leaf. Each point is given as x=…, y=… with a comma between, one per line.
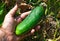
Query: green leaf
x=1, y=11
x=2, y=7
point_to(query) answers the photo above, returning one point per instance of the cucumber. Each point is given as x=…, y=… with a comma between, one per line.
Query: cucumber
x=31, y=20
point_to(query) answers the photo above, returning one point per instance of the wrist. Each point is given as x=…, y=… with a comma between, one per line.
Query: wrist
x=5, y=35
x=2, y=33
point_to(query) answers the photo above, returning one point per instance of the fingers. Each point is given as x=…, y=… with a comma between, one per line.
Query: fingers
x=13, y=10
x=36, y=28
x=31, y=32
x=22, y=16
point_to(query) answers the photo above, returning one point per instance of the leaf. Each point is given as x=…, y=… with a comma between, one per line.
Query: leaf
x=1, y=11
x=2, y=7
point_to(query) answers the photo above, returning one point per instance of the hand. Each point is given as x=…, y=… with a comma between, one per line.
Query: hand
x=9, y=24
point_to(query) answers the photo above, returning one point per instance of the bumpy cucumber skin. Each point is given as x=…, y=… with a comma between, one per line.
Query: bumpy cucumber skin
x=31, y=20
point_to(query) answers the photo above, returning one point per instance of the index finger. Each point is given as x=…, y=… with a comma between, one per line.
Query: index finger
x=13, y=10
x=22, y=16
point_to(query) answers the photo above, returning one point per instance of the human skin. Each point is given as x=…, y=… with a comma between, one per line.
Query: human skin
x=8, y=27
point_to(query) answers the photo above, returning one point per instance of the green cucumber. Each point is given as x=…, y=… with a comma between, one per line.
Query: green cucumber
x=31, y=20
